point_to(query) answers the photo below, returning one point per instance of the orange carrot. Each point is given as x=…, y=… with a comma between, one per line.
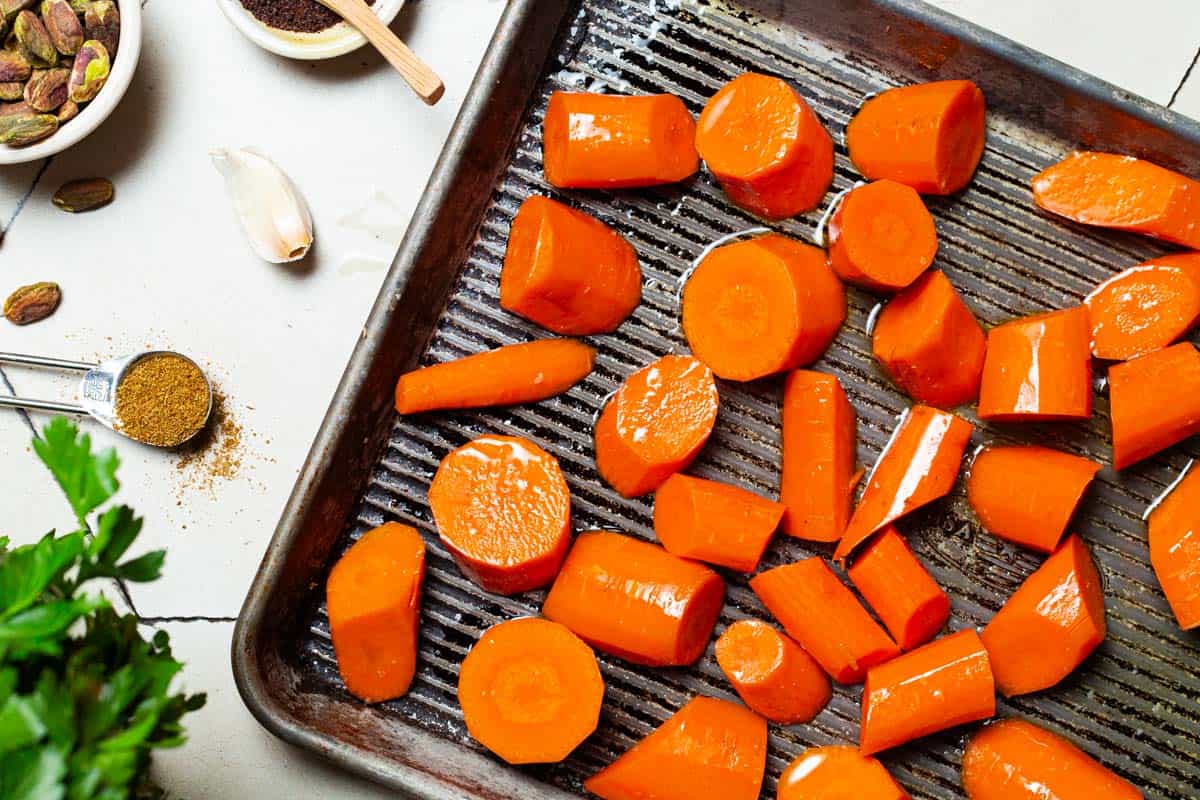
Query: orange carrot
x=930, y=344
x=1146, y=307
x=1038, y=368
x=1122, y=192
x=567, y=271
x=820, y=613
x=772, y=674
x=1154, y=402
x=928, y=136
x=635, y=600
x=509, y=375
x=882, y=237
x=656, y=424
x=503, y=510
x=837, y=772
x=709, y=748
x=819, y=452
x=945, y=683
x=373, y=596
x=1027, y=495
x=903, y=594
x=1175, y=549
x=714, y=522
x=607, y=141
x=530, y=691
x=1050, y=624
x=765, y=146
x=916, y=467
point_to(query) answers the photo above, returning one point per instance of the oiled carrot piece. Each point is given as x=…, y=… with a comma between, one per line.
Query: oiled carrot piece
x=1115, y=191
x=1038, y=368
x=635, y=600
x=760, y=306
x=709, y=748
x=837, y=772
x=1050, y=624
x=503, y=510
x=373, y=596
x=881, y=237
x=1154, y=402
x=945, y=683
x=1175, y=548
x=567, y=271
x=765, y=146
x=1146, y=307
x=610, y=141
x=820, y=613
x=928, y=136
x=772, y=674
x=655, y=424
x=900, y=590
x=1028, y=494
x=530, y=691
x=930, y=344
x=714, y=522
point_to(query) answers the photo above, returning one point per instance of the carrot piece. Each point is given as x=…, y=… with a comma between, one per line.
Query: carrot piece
x=837, y=772
x=656, y=424
x=609, y=141
x=928, y=136
x=1050, y=624
x=373, y=596
x=503, y=510
x=1175, y=548
x=760, y=306
x=567, y=271
x=930, y=344
x=765, y=146
x=1154, y=402
x=945, y=683
x=1038, y=368
x=1146, y=307
x=900, y=590
x=820, y=613
x=819, y=452
x=709, y=748
x=1027, y=495
x=714, y=522
x=1122, y=192
x=773, y=675
x=530, y=691
x=916, y=467
x=1016, y=760
x=635, y=600
x=882, y=237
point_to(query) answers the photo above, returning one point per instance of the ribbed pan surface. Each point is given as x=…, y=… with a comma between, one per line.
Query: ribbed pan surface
x=1134, y=704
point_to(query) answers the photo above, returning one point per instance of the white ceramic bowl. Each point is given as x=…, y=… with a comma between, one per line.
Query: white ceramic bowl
x=129, y=47
x=334, y=41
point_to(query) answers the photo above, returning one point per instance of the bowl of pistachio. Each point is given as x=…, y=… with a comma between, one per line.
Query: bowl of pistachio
x=64, y=66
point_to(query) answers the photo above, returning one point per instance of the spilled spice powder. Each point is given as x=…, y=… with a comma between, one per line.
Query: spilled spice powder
x=163, y=400
x=216, y=453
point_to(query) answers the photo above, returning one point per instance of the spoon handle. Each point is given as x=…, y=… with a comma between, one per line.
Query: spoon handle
x=42, y=405
x=416, y=72
x=44, y=361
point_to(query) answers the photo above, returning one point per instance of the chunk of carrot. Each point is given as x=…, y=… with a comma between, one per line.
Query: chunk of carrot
x=610, y=141
x=765, y=146
x=567, y=271
x=1115, y=191
x=1050, y=624
x=1038, y=368
x=530, y=691
x=1146, y=307
x=373, y=596
x=1027, y=495
x=1154, y=402
x=881, y=237
x=930, y=344
x=900, y=590
x=837, y=772
x=635, y=600
x=820, y=613
x=709, y=748
x=760, y=306
x=1175, y=548
x=714, y=522
x=916, y=467
x=503, y=510
x=772, y=674
x=656, y=424
x=929, y=136
x=941, y=685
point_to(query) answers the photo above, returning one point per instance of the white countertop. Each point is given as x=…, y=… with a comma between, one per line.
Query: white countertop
x=166, y=265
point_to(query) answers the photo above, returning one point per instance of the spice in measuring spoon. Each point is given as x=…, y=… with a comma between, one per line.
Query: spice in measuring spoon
x=162, y=400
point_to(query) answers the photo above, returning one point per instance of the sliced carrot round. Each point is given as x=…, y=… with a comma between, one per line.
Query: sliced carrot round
x=1146, y=307
x=714, y=522
x=837, y=772
x=881, y=237
x=771, y=673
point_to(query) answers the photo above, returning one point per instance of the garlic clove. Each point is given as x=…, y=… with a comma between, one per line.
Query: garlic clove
x=273, y=214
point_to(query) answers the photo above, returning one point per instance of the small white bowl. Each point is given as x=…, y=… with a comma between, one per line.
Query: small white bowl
x=333, y=41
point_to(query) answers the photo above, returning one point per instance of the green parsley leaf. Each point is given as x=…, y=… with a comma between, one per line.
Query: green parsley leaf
x=87, y=480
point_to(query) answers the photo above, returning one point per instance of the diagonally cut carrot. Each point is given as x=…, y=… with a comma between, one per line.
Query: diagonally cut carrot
x=835, y=772
x=714, y=522
x=903, y=594
x=1146, y=307
x=1154, y=402
x=771, y=673
x=882, y=237
x=1175, y=548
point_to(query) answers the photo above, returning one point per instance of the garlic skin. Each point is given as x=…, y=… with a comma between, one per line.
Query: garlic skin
x=273, y=214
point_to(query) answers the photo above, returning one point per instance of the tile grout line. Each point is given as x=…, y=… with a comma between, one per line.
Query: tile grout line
x=1182, y=81
x=22, y=413
x=195, y=618
x=28, y=193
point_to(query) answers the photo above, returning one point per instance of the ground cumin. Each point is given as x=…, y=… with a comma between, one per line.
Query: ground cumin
x=162, y=400
x=300, y=16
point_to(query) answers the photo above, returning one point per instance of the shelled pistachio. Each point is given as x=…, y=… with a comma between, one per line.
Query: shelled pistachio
x=83, y=194
x=63, y=26
x=22, y=129
x=19, y=107
x=35, y=41
x=90, y=71
x=67, y=111
x=14, y=66
x=102, y=22
x=12, y=90
x=47, y=89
